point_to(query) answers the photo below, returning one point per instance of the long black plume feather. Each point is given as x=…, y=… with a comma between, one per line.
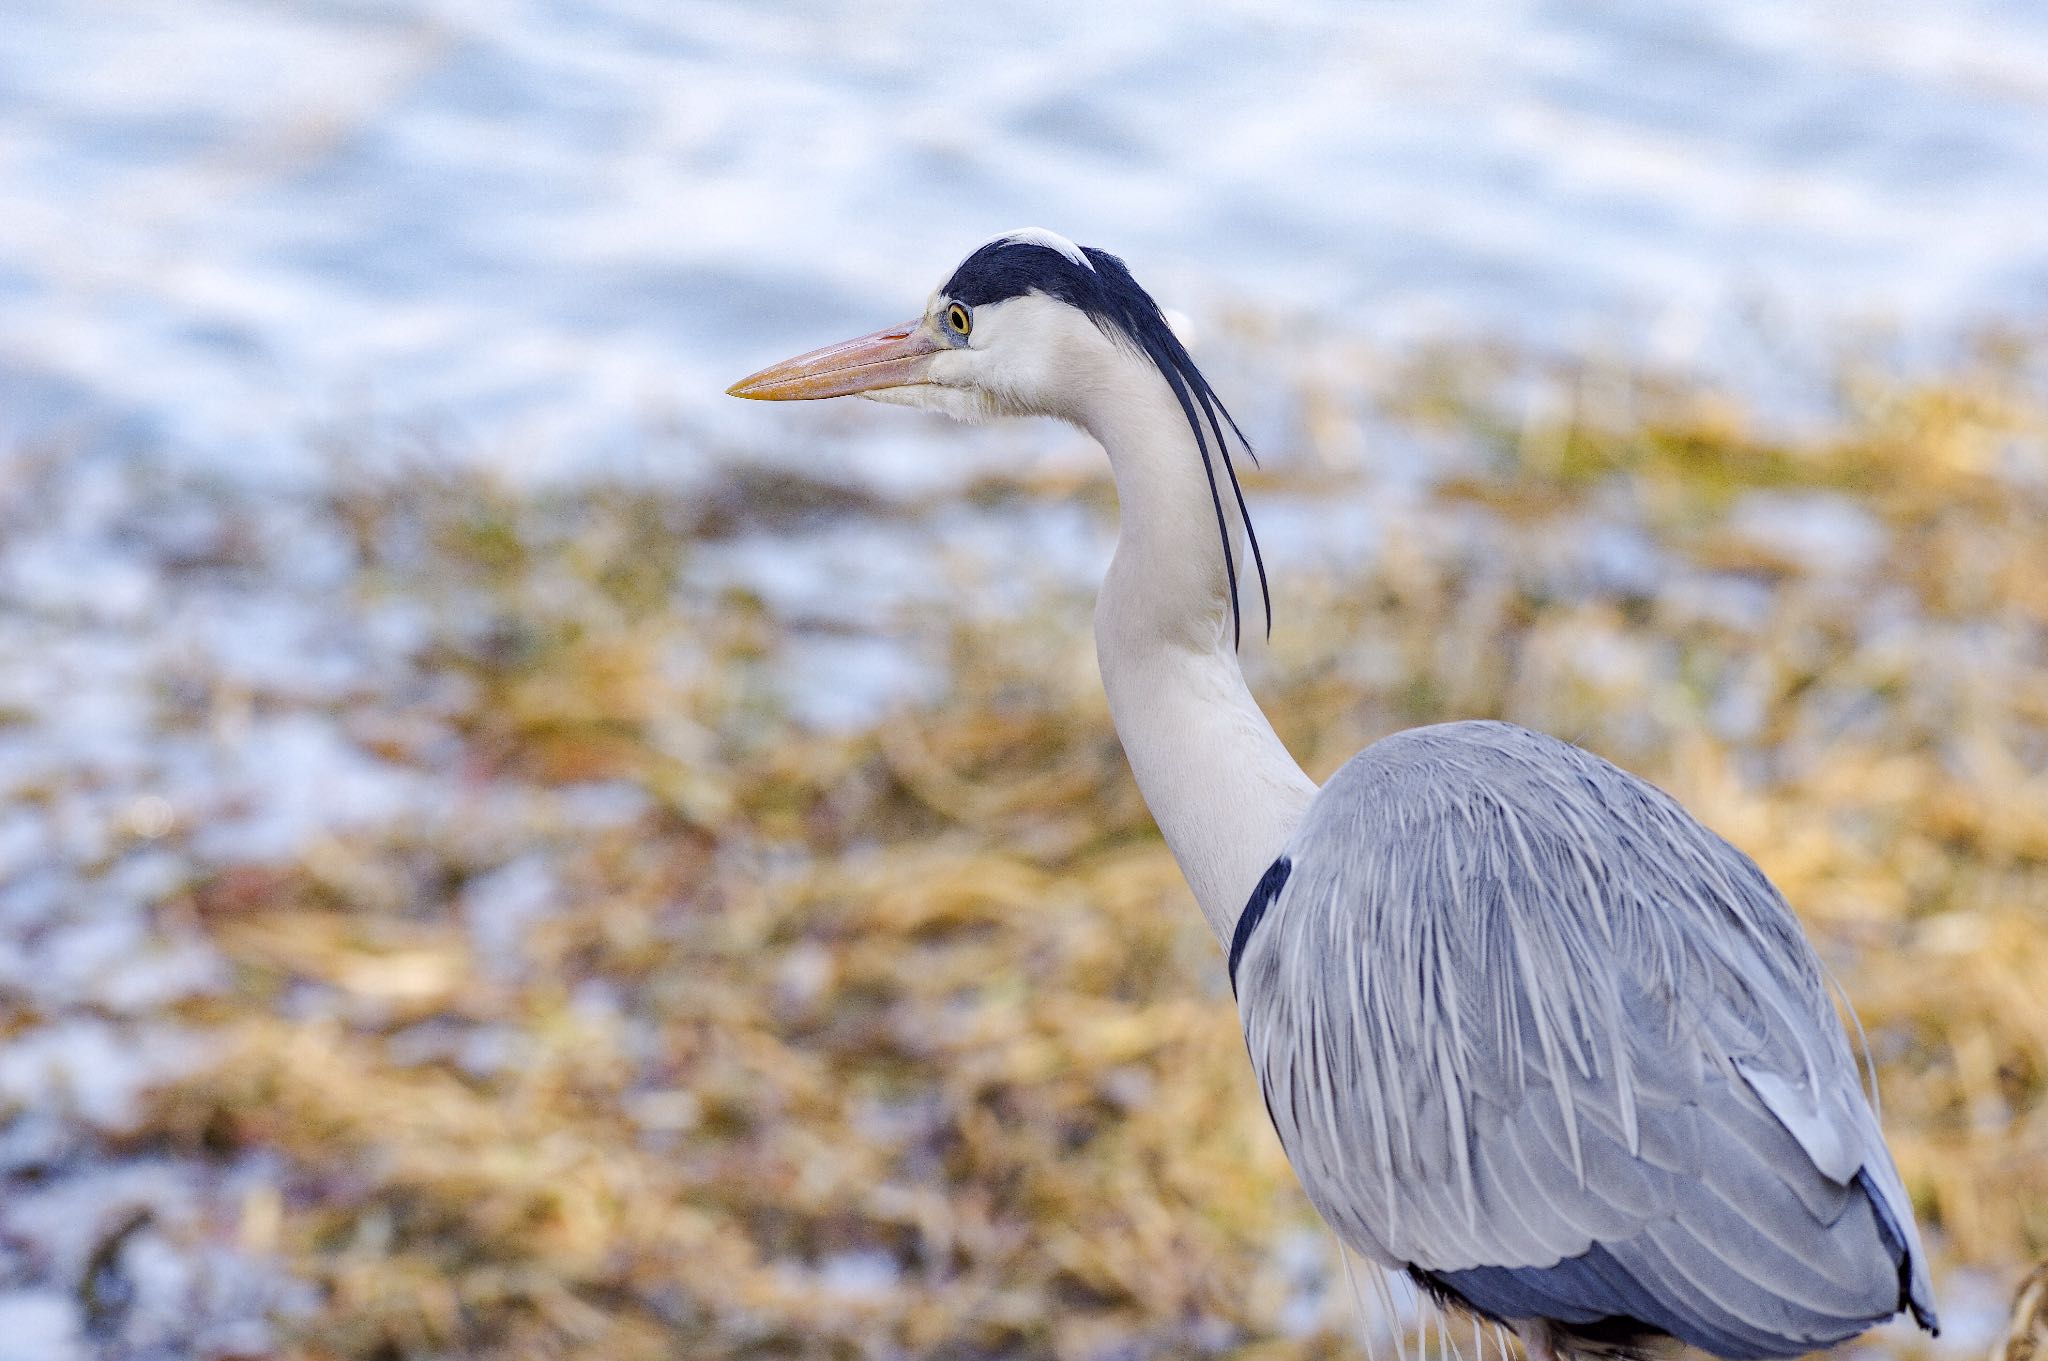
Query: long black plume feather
x=1104, y=289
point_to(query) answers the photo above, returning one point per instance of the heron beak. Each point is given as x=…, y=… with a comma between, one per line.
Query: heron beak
x=891, y=358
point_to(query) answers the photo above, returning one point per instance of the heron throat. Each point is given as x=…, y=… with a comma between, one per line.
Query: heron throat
x=1217, y=779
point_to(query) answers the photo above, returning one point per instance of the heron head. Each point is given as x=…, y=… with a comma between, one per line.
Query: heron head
x=1029, y=324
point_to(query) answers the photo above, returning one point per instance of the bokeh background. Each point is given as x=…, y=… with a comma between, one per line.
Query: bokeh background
x=505, y=852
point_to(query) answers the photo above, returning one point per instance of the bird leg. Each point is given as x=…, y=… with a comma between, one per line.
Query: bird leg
x=1539, y=1339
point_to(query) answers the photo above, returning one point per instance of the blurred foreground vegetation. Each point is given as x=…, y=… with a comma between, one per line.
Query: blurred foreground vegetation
x=686, y=1031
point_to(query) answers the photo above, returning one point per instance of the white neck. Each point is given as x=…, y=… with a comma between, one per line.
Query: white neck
x=1222, y=788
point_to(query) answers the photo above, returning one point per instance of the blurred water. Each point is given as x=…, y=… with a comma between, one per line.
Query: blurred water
x=556, y=230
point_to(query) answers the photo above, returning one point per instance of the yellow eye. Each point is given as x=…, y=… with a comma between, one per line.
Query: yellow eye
x=957, y=318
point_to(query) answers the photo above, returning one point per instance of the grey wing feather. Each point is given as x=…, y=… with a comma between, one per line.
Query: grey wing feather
x=1530, y=1030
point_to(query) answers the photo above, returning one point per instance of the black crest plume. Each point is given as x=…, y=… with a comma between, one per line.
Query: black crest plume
x=1104, y=289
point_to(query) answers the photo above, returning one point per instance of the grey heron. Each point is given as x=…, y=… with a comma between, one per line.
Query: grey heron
x=1527, y=1030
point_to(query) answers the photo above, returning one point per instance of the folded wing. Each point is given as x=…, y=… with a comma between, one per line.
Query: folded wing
x=1530, y=1031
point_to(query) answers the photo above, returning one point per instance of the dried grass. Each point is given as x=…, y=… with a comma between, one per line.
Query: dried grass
x=907, y=1041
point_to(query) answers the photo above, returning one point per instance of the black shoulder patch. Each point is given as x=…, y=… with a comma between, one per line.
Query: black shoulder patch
x=1254, y=910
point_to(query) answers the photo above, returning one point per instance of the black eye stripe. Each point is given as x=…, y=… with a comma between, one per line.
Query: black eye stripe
x=1104, y=290
x=1010, y=269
